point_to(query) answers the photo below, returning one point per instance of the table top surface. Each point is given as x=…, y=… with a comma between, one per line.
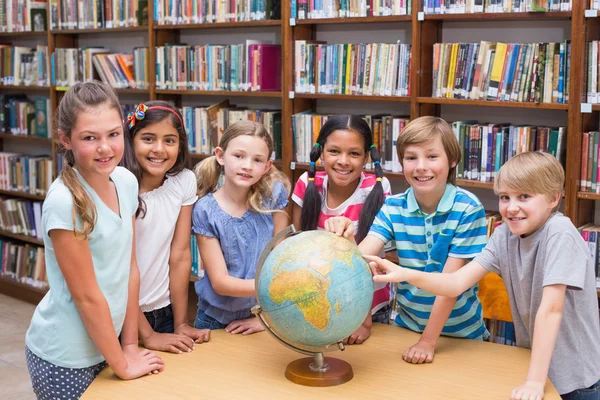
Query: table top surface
x=253, y=367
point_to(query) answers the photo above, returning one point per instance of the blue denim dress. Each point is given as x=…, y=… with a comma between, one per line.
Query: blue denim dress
x=242, y=242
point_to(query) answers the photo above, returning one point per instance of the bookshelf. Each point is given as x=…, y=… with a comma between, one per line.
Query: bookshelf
x=422, y=32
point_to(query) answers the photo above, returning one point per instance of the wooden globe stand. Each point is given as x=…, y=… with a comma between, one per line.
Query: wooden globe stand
x=319, y=371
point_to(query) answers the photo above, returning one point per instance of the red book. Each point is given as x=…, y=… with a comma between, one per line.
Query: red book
x=268, y=67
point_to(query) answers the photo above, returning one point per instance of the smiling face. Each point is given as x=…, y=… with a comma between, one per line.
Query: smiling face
x=426, y=168
x=156, y=148
x=245, y=160
x=344, y=157
x=96, y=140
x=525, y=213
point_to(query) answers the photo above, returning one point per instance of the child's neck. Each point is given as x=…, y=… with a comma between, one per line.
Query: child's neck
x=336, y=195
x=428, y=203
x=232, y=200
x=100, y=183
x=149, y=182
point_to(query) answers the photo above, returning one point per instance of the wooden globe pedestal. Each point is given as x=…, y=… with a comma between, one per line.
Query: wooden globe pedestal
x=319, y=371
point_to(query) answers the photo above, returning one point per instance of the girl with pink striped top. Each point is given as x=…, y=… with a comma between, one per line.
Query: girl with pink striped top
x=343, y=189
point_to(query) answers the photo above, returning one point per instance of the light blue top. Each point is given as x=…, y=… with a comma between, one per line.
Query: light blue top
x=424, y=242
x=57, y=333
x=242, y=242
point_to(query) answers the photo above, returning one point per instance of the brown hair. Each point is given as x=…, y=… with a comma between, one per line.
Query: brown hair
x=425, y=129
x=77, y=99
x=208, y=171
x=532, y=172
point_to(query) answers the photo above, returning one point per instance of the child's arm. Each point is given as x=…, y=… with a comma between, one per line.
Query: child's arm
x=545, y=331
x=449, y=285
x=75, y=262
x=180, y=266
x=280, y=220
x=296, y=213
x=215, y=267
x=424, y=349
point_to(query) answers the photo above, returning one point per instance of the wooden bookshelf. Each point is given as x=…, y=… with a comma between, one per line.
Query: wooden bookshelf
x=218, y=93
x=355, y=20
x=26, y=88
x=23, y=34
x=22, y=238
x=520, y=16
x=123, y=29
x=22, y=195
x=22, y=291
x=220, y=25
x=24, y=138
x=317, y=96
x=485, y=103
x=588, y=195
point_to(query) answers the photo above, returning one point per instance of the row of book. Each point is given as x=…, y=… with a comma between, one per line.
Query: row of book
x=124, y=70
x=205, y=125
x=176, y=12
x=373, y=69
x=23, y=15
x=29, y=174
x=95, y=14
x=591, y=235
x=385, y=128
x=197, y=270
x=590, y=174
x=523, y=72
x=251, y=66
x=24, y=263
x=22, y=116
x=22, y=217
x=25, y=66
x=316, y=9
x=486, y=147
x=494, y=6
x=593, y=68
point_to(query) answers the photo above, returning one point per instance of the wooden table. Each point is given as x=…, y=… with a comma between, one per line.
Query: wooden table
x=253, y=367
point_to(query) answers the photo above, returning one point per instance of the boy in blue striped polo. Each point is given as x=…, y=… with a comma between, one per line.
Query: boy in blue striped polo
x=437, y=227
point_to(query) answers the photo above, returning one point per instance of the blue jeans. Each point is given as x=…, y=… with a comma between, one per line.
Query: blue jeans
x=383, y=315
x=591, y=393
x=204, y=321
x=161, y=320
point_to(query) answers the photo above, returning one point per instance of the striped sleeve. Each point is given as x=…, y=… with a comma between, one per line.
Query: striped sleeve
x=300, y=189
x=470, y=236
x=382, y=227
x=387, y=188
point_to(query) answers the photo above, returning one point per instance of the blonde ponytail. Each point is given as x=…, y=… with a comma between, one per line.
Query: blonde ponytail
x=82, y=202
x=207, y=175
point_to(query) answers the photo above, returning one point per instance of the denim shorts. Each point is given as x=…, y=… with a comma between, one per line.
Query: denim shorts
x=383, y=315
x=204, y=321
x=161, y=320
x=591, y=393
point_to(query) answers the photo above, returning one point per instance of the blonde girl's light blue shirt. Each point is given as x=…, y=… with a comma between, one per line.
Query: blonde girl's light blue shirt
x=57, y=333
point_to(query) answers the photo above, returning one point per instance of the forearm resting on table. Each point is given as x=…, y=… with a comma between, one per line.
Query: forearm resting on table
x=179, y=278
x=226, y=285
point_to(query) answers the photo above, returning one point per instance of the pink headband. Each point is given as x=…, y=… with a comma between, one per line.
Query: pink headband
x=140, y=112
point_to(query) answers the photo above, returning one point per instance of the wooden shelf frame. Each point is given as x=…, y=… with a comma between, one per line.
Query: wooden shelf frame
x=220, y=25
x=355, y=20
x=24, y=138
x=22, y=291
x=520, y=16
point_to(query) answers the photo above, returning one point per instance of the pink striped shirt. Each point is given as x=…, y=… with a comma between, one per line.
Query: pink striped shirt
x=350, y=209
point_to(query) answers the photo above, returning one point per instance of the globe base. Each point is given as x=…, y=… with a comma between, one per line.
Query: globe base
x=301, y=373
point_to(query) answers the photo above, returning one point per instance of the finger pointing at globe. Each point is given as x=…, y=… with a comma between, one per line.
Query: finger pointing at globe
x=384, y=270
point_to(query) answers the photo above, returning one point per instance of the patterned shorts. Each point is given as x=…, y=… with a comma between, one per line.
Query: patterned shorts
x=52, y=382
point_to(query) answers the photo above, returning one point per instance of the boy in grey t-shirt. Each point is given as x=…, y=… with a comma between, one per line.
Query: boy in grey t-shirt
x=548, y=274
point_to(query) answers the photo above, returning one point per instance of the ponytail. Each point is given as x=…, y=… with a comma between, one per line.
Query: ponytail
x=374, y=200
x=311, y=206
x=207, y=175
x=82, y=202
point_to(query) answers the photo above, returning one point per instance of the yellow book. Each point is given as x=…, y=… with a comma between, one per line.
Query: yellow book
x=497, y=70
x=452, y=70
x=348, y=65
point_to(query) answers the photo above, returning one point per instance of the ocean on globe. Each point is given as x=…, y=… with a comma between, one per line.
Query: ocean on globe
x=315, y=289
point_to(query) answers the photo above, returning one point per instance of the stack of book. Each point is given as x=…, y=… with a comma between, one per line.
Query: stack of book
x=493, y=6
x=29, y=174
x=175, y=12
x=77, y=14
x=24, y=263
x=372, y=69
x=23, y=15
x=495, y=71
x=21, y=116
x=304, y=9
x=123, y=70
x=24, y=66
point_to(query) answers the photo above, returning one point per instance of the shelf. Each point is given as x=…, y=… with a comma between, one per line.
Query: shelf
x=24, y=87
x=24, y=138
x=595, y=107
x=217, y=25
x=544, y=16
x=484, y=103
x=396, y=99
x=99, y=30
x=21, y=291
x=22, y=195
x=23, y=238
x=588, y=195
x=16, y=34
x=397, y=175
x=227, y=93
x=354, y=20
x=117, y=90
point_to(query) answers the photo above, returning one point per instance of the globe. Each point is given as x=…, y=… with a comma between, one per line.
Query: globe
x=314, y=290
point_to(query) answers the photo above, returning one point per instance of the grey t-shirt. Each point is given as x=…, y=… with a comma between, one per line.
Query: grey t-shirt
x=555, y=254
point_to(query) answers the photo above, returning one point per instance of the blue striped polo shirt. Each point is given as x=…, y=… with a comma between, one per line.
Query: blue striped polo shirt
x=424, y=242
